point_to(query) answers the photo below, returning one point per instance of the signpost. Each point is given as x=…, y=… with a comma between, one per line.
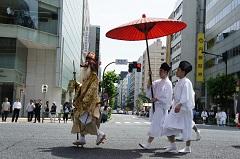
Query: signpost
x=44, y=91
x=121, y=61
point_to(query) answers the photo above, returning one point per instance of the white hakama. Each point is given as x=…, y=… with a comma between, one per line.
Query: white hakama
x=181, y=122
x=163, y=93
x=157, y=120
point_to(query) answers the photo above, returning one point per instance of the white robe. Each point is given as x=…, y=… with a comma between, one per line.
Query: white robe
x=181, y=122
x=162, y=91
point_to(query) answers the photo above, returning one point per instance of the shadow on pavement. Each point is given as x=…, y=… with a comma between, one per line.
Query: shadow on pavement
x=78, y=152
x=168, y=155
x=236, y=146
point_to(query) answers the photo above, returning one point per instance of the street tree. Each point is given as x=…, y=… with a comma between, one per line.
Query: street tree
x=142, y=98
x=110, y=78
x=221, y=89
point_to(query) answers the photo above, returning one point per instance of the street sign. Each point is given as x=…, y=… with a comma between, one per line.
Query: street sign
x=121, y=61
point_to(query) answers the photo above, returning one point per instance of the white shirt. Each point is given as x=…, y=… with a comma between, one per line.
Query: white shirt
x=6, y=106
x=204, y=114
x=30, y=107
x=17, y=105
x=162, y=91
x=184, y=94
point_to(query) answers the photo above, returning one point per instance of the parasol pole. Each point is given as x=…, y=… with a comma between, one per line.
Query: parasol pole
x=150, y=72
x=74, y=78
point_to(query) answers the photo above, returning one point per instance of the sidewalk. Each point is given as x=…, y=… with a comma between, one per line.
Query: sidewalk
x=24, y=120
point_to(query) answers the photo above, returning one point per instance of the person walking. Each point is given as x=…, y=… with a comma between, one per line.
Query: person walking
x=179, y=120
x=204, y=116
x=5, y=109
x=53, y=112
x=37, y=110
x=87, y=102
x=16, y=109
x=162, y=90
x=30, y=108
x=223, y=118
x=66, y=110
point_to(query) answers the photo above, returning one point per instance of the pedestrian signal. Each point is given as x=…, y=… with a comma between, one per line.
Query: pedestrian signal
x=44, y=88
x=138, y=67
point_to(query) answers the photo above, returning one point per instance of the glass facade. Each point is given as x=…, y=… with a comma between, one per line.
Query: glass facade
x=72, y=39
x=29, y=13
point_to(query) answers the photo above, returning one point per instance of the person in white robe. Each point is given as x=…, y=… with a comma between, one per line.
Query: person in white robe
x=162, y=92
x=179, y=120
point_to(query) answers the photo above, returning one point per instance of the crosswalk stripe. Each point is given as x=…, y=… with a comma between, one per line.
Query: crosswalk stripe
x=133, y=122
x=137, y=122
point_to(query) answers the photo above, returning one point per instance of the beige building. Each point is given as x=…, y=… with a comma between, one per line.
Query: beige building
x=157, y=54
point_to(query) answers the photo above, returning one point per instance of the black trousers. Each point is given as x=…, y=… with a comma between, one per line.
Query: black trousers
x=30, y=116
x=15, y=114
x=65, y=117
x=5, y=115
x=37, y=116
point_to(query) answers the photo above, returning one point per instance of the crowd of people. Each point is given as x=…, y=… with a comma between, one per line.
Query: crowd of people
x=34, y=109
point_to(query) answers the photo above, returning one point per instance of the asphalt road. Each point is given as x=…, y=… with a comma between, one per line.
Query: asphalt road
x=124, y=132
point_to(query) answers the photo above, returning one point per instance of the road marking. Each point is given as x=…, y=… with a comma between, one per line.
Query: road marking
x=118, y=122
x=137, y=122
x=127, y=122
x=147, y=122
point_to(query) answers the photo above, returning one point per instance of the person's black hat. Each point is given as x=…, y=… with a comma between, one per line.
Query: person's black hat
x=185, y=66
x=165, y=67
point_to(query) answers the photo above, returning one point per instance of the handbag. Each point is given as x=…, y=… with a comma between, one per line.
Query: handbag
x=85, y=118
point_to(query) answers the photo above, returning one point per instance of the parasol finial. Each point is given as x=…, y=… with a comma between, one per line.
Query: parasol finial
x=144, y=16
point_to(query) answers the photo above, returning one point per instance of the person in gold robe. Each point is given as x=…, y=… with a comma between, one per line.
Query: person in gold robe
x=86, y=115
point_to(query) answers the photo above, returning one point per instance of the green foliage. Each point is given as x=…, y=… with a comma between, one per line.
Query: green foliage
x=110, y=78
x=140, y=100
x=221, y=89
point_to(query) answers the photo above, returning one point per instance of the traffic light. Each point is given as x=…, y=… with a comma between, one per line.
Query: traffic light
x=44, y=88
x=130, y=67
x=138, y=67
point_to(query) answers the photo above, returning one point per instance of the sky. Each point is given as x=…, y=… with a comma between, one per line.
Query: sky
x=109, y=14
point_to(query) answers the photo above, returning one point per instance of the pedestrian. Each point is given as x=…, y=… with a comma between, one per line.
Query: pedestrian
x=162, y=91
x=87, y=102
x=104, y=114
x=66, y=110
x=17, y=105
x=30, y=108
x=5, y=109
x=218, y=116
x=223, y=118
x=37, y=110
x=46, y=110
x=179, y=120
x=53, y=112
x=204, y=116
x=238, y=112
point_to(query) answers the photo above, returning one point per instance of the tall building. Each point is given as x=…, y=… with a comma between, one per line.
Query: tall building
x=157, y=54
x=184, y=44
x=39, y=40
x=222, y=36
x=86, y=27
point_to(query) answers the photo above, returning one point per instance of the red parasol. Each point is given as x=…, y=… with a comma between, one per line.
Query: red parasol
x=144, y=29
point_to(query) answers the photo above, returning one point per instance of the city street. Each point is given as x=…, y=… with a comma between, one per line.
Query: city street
x=124, y=133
